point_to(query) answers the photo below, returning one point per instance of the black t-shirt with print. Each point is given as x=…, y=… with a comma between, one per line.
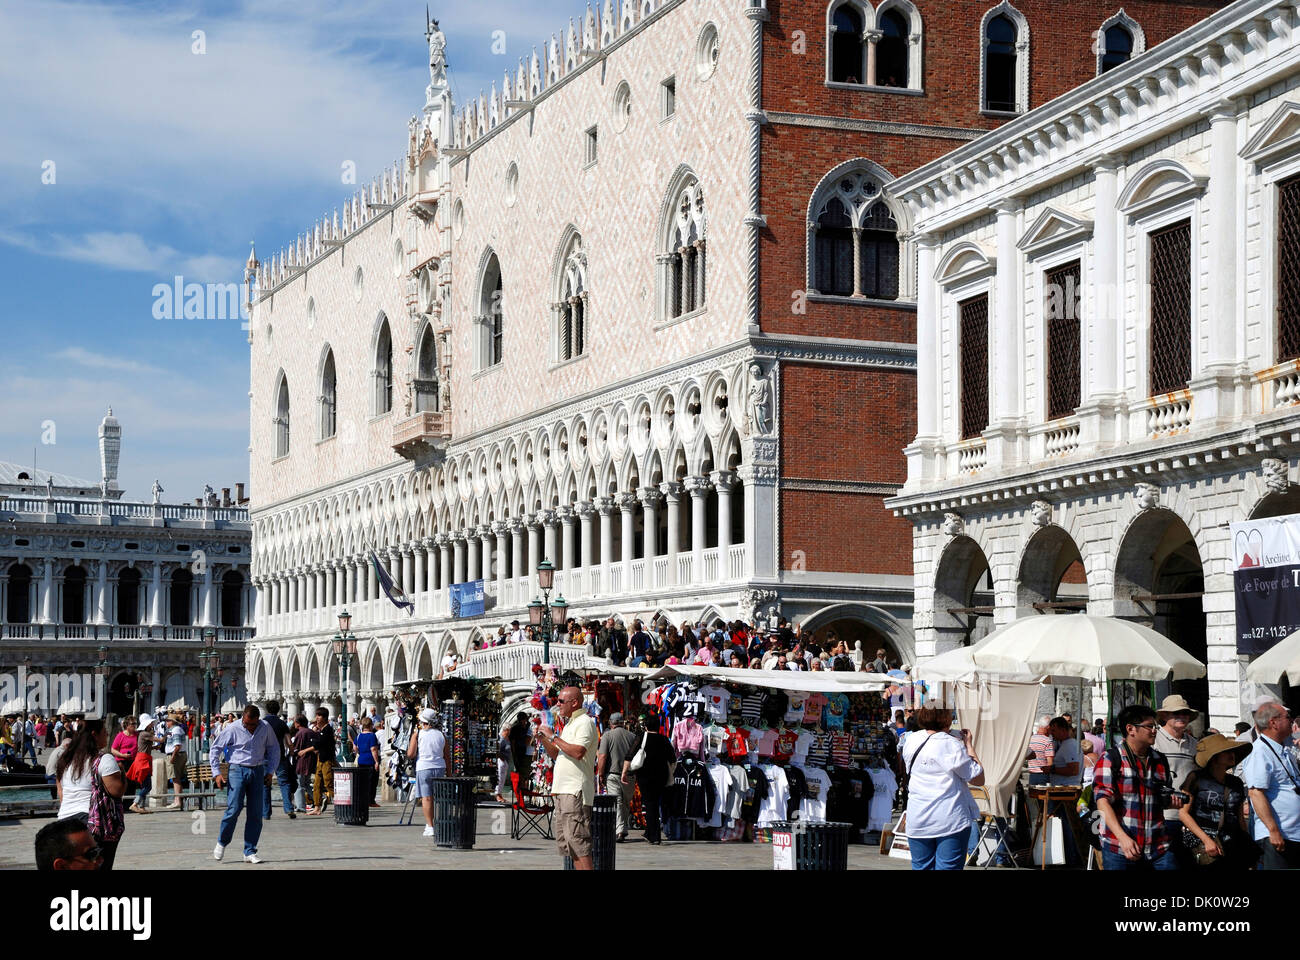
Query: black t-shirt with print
x=1207, y=802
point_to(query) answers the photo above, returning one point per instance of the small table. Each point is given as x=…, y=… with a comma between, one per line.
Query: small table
x=1052, y=798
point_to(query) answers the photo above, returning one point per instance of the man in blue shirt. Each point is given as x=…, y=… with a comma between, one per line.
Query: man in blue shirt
x=1273, y=783
x=254, y=752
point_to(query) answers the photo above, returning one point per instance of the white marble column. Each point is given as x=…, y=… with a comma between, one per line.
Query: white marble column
x=672, y=492
x=723, y=481
x=47, y=591
x=501, y=530
x=444, y=562
x=550, y=536
x=155, y=595
x=1004, y=345
x=485, y=537
x=584, y=558
x=205, y=596
x=471, y=555
x=565, y=515
x=458, y=549
x=516, y=526
x=699, y=488
x=627, y=503
x=101, y=593
x=372, y=581
x=605, y=505
x=650, y=500
x=534, y=553
x=417, y=551
x=430, y=566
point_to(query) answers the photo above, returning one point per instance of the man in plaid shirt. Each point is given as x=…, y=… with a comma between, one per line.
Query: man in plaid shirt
x=1132, y=800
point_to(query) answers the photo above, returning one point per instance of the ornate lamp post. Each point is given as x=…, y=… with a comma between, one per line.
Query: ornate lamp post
x=345, y=650
x=539, y=611
x=210, y=661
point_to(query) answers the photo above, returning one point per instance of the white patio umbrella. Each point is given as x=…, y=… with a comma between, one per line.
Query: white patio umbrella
x=1087, y=647
x=959, y=665
x=1284, y=658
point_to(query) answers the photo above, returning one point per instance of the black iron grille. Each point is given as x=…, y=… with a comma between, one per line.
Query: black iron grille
x=1061, y=305
x=1171, y=308
x=974, y=366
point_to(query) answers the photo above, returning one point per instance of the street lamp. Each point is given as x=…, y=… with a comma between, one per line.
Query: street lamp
x=345, y=649
x=539, y=611
x=102, y=669
x=210, y=661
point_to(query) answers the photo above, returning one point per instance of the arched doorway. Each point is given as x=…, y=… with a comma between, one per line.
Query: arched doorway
x=862, y=623
x=963, y=595
x=1160, y=581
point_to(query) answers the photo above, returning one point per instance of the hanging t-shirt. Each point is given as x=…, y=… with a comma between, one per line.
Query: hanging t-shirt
x=766, y=742
x=812, y=708
x=716, y=700
x=837, y=708
x=817, y=788
x=774, y=803
x=751, y=707
x=785, y=744
x=840, y=749
x=819, y=751
x=803, y=743
x=881, y=808
x=794, y=709
x=723, y=788
x=737, y=745
x=739, y=789
x=715, y=737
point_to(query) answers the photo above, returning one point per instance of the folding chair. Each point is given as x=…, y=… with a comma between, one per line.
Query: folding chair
x=990, y=829
x=530, y=812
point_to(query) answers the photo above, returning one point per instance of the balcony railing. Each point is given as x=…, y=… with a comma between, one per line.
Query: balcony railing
x=108, y=631
x=514, y=661
x=1061, y=438
x=579, y=585
x=116, y=508
x=1169, y=414
x=1281, y=385
x=419, y=436
x=972, y=457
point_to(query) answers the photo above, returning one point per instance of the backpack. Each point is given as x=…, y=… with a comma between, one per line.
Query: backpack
x=1094, y=818
x=105, y=819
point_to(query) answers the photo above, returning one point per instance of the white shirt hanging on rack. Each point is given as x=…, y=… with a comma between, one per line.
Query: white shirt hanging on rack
x=812, y=809
x=880, y=811
x=774, y=805
x=723, y=785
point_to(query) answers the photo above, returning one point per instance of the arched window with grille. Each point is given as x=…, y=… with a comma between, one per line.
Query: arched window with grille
x=1119, y=40
x=570, y=309
x=490, y=318
x=683, y=250
x=383, y=372
x=1288, y=269
x=1004, y=67
x=853, y=243
x=848, y=44
x=281, y=420
x=328, y=397
x=426, y=372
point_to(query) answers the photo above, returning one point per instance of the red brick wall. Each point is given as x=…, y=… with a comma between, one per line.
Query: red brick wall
x=795, y=159
x=846, y=533
x=841, y=423
x=838, y=424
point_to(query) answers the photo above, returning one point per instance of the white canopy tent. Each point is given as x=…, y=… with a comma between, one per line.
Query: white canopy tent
x=1283, y=660
x=802, y=681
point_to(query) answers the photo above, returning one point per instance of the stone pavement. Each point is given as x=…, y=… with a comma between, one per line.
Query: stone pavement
x=171, y=840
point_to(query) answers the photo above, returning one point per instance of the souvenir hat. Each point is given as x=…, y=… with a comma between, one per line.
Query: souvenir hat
x=1215, y=744
x=1175, y=704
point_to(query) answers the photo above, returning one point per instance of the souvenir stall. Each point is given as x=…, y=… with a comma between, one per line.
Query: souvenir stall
x=756, y=747
x=471, y=711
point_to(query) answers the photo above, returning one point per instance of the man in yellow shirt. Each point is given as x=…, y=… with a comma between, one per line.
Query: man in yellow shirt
x=573, y=785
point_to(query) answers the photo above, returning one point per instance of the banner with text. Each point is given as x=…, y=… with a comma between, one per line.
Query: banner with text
x=467, y=599
x=1266, y=571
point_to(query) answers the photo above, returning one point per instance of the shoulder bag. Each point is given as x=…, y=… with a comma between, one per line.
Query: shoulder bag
x=638, y=759
x=106, y=818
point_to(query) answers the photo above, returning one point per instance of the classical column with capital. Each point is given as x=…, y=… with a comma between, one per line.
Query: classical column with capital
x=565, y=515
x=471, y=555
x=627, y=504
x=534, y=552
x=516, y=526
x=458, y=549
x=101, y=593
x=672, y=492
x=501, y=531
x=650, y=499
x=723, y=482
x=584, y=512
x=605, y=506
x=155, y=595
x=485, y=540
x=699, y=488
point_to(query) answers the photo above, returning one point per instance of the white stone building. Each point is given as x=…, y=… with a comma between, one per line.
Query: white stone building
x=535, y=337
x=1109, y=347
x=85, y=572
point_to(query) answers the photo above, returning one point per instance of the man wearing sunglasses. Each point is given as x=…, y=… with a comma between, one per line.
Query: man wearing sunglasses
x=1132, y=786
x=67, y=845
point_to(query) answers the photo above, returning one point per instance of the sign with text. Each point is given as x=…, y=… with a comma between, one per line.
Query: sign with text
x=782, y=850
x=467, y=599
x=1266, y=575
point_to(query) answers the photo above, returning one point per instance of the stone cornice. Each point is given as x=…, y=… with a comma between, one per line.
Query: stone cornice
x=873, y=126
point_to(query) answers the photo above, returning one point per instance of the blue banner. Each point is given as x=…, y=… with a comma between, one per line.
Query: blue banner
x=467, y=599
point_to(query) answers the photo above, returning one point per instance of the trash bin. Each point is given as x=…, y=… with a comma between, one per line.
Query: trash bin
x=810, y=846
x=454, y=812
x=351, y=795
x=603, y=837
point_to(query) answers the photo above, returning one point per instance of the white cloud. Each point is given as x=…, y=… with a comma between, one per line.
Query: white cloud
x=129, y=251
x=102, y=361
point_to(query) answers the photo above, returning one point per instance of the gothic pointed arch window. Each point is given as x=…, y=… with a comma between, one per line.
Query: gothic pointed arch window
x=426, y=372
x=1004, y=60
x=281, y=420
x=489, y=320
x=328, y=397
x=848, y=44
x=683, y=253
x=1119, y=40
x=853, y=243
x=383, y=372
x=570, y=309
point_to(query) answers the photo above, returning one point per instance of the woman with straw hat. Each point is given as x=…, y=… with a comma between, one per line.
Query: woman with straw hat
x=1216, y=831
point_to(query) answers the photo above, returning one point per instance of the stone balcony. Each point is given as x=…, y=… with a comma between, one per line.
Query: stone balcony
x=420, y=437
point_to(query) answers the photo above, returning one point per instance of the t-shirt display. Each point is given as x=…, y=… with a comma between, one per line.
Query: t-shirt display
x=813, y=707
x=716, y=700
x=837, y=710
x=794, y=709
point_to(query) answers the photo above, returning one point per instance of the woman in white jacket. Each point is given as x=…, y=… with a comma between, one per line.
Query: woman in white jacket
x=941, y=768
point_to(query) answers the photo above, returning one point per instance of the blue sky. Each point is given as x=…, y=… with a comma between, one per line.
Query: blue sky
x=169, y=162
